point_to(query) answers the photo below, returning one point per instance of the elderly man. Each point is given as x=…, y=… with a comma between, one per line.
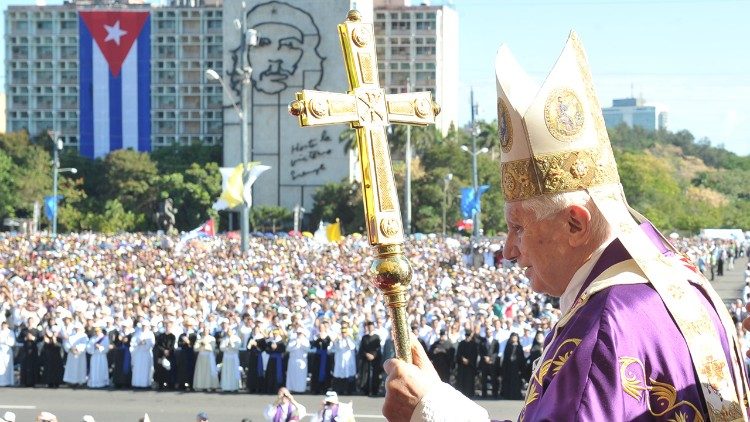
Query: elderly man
x=642, y=335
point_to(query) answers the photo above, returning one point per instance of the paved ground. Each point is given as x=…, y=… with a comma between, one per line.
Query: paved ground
x=729, y=286
x=128, y=406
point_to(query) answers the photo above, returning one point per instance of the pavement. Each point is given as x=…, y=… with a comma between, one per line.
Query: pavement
x=71, y=405
x=729, y=286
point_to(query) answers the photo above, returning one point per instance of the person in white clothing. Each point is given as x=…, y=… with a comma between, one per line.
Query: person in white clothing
x=7, y=341
x=142, y=358
x=345, y=361
x=230, y=364
x=205, y=377
x=98, y=347
x=296, y=375
x=75, y=365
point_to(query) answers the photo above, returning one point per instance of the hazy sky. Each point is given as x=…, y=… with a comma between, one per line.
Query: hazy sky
x=690, y=56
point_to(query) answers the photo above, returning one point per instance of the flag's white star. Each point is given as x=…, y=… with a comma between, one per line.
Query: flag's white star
x=114, y=33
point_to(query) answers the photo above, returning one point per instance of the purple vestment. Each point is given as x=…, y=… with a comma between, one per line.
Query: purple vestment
x=620, y=357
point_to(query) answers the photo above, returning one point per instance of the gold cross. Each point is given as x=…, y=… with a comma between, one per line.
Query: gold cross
x=369, y=110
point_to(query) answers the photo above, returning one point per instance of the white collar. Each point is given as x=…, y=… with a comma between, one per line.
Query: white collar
x=574, y=286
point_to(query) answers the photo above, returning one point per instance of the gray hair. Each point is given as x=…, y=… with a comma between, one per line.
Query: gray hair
x=543, y=207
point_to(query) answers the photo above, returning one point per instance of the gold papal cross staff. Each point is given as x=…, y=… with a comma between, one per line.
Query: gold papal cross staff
x=369, y=110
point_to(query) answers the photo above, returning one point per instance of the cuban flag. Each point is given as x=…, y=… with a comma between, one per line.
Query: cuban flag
x=115, y=77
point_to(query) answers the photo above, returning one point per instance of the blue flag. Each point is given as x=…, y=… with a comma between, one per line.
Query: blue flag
x=471, y=202
x=50, y=206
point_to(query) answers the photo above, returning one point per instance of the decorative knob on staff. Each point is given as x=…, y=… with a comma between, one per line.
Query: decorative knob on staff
x=369, y=110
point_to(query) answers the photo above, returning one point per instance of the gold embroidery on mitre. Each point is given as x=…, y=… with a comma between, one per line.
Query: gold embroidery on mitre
x=519, y=180
x=504, y=126
x=566, y=172
x=564, y=114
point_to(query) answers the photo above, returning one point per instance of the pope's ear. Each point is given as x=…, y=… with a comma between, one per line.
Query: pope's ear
x=578, y=225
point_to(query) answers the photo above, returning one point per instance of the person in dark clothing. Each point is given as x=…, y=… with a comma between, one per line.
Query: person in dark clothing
x=489, y=368
x=51, y=359
x=467, y=356
x=274, y=375
x=185, y=362
x=164, y=372
x=512, y=369
x=442, y=355
x=369, y=362
x=29, y=358
x=537, y=347
x=121, y=364
x=322, y=362
x=255, y=373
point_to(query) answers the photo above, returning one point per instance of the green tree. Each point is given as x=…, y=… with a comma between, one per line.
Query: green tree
x=179, y=158
x=32, y=179
x=341, y=200
x=8, y=198
x=130, y=177
x=193, y=192
x=113, y=219
x=270, y=218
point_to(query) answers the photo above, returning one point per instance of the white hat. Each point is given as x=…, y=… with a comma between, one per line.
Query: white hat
x=9, y=417
x=331, y=397
x=88, y=418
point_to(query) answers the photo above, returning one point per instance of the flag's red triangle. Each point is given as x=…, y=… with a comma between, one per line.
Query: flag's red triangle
x=114, y=33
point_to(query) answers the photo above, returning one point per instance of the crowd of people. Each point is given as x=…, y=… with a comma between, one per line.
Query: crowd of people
x=130, y=311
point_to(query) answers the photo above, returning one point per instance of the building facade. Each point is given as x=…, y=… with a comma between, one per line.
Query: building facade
x=634, y=113
x=417, y=46
x=43, y=76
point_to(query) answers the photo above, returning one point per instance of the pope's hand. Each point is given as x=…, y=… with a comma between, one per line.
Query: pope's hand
x=407, y=383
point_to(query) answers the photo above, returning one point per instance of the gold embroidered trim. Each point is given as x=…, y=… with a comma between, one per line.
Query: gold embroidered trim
x=564, y=115
x=664, y=394
x=504, y=126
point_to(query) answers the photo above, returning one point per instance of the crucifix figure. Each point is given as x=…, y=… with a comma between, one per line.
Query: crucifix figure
x=369, y=110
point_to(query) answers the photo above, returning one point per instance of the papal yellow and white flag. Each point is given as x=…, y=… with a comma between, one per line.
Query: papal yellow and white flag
x=233, y=193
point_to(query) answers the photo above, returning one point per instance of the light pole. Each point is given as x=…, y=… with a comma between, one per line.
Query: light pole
x=249, y=39
x=475, y=182
x=57, y=145
x=407, y=190
x=446, y=181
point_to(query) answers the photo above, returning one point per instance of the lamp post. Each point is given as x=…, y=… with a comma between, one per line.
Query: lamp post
x=475, y=183
x=57, y=145
x=446, y=181
x=249, y=39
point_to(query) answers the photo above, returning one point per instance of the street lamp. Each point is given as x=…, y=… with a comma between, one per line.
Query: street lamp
x=473, y=151
x=57, y=145
x=446, y=181
x=249, y=39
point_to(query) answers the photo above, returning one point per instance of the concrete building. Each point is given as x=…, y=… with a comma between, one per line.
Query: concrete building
x=42, y=69
x=418, y=45
x=635, y=113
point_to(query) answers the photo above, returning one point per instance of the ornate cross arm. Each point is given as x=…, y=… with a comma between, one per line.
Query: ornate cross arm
x=367, y=109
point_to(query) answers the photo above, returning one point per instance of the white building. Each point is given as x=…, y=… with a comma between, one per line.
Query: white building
x=418, y=46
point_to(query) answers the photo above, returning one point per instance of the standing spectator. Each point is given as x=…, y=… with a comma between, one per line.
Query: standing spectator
x=206, y=377
x=141, y=350
x=230, y=363
x=320, y=371
x=185, y=362
x=75, y=365
x=29, y=358
x=164, y=364
x=7, y=341
x=296, y=375
x=275, y=348
x=255, y=371
x=121, y=362
x=51, y=359
x=512, y=369
x=345, y=364
x=285, y=408
x=442, y=355
x=98, y=347
x=489, y=368
x=467, y=355
x=370, y=363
